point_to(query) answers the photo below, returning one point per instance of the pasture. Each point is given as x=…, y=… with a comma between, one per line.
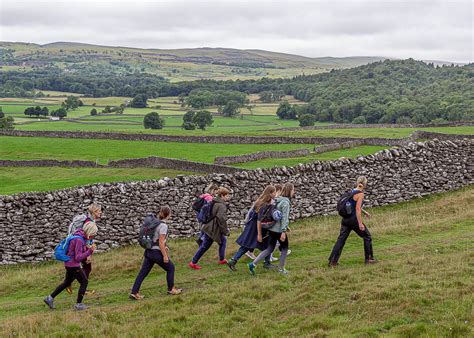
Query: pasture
x=422, y=285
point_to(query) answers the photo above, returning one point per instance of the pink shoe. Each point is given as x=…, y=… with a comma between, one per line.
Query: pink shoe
x=194, y=266
x=222, y=261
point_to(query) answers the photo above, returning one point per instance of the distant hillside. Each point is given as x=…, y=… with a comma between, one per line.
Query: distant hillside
x=173, y=64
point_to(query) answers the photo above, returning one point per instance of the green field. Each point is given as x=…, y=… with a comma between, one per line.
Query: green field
x=14, y=180
x=421, y=287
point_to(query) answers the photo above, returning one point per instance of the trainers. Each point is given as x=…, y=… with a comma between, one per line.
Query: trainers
x=252, y=268
x=283, y=271
x=269, y=266
x=136, y=296
x=194, y=266
x=175, y=291
x=80, y=306
x=69, y=290
x=288, y=253
x=273, y=259
x=250, y=255
x=222, y=261
x=89, y=292
x=50, y=302
x=231, y=264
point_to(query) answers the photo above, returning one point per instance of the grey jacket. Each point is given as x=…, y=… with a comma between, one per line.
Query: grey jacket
x=282, y=204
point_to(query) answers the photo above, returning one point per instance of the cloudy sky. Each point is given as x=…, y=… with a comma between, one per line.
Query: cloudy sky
x=422, y=29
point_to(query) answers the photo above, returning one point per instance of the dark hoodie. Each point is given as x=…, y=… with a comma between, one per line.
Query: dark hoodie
x=77, y=250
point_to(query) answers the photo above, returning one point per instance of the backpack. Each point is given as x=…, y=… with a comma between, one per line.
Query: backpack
x=205, y=213
x=344, y=205
x=270, y=215
x=77, y=223
x=147, y=231
x=60, y=251
x=198, y=204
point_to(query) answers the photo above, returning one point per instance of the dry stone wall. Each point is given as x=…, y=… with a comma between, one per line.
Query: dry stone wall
x=31, y=224
x=260, y=155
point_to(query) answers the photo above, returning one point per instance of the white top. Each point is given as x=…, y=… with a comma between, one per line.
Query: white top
x=161, y=229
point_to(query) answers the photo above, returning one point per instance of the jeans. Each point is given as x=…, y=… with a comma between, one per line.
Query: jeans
x=348, y=225
x=152, y=257
x=242, y=250
x=206, y=244
x=73, y=274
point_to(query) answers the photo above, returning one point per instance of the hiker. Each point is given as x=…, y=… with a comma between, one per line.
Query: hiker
x=157, y=254
x=94, y=213
x=248, y=239
x=353, y=221
x=279, y=188
x=199, y=203
x=277, y=232
x=215, y=229
x=77, y=251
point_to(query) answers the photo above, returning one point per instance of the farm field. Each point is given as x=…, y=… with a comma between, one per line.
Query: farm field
x=402, y=295
x=22, y=179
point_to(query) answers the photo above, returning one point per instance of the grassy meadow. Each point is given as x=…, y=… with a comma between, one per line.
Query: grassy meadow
x=421, y=287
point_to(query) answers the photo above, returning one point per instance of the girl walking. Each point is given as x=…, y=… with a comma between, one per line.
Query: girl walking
x=158, y=254
x=77, y=251
x=214, y=230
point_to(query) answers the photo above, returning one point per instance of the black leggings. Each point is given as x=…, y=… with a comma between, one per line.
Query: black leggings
x=73, y=274
x=152, y=257
x=348, y=225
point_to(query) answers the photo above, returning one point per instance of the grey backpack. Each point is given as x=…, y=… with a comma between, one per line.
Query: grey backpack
x=77, y=223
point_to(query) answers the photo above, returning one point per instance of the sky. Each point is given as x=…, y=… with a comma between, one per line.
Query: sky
x=421, y=29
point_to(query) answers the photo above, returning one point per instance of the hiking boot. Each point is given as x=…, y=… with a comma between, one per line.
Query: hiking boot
x=231, y=264
x=69, y=290
x=50, y=302
x=80, y=307
x=269, y=266
x=252, y=268
x=136, y=296
x=222, y=261
x=175, y=291
x=371, y=261
x=194, y=266
x=250, y=255
x=283, y=271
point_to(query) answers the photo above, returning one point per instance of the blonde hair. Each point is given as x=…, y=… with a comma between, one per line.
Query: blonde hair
x=90, y=229
x=361, y=180
x=222, y=191
x=211, y=188
x=265, y=197
x=94, y=207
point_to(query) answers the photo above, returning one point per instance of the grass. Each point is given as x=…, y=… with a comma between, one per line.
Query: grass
x=422, y=285
x=22, y=179
x=25, y=148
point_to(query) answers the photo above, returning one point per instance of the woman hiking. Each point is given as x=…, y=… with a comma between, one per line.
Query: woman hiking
x=77, y=251
x=248, y=239
x=277, y=233
x=354, y=223
x=158, y=254
x=215, y=230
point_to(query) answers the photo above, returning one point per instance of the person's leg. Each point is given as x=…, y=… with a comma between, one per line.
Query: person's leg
x=242, y=250
x=365, y=234
x=222, y=248
x=339, y=245
x=284, y=252
x=205, y=245
x=157, y=257
x=67, y=281
x=87, y=268
x=271, y=246
x=80, y=276
x=144, y=271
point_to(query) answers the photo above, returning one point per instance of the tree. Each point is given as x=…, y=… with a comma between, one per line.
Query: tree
x=306, y=120
x=359, y=120
x=286, y=111
x=2, y=114
x=61, y=112
x=139, y=101
x=93, y=112
x=153, y=121
x=45, y=111
x=71, y=103
x=7, y=123
x=188, y=121
x=231, y=109
x=202, y=119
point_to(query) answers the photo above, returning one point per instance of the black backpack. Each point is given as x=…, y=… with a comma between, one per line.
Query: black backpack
x=344, y=205
x=198, y=204
x=147, y=231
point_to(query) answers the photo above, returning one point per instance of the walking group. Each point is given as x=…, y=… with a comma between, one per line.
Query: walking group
x=266, y=230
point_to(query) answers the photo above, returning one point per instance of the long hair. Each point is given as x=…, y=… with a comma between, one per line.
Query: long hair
x=287, y=190
x=265, y=197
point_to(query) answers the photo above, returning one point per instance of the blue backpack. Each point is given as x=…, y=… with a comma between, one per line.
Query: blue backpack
x=205, y=214
x=60, y=251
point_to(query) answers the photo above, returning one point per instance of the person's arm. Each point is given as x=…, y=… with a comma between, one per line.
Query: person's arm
x=365, y=212
x=359, y=198
x=221, y=218
x=162, y=245
x=80, y=255
x=285, y=219
x=259, y=232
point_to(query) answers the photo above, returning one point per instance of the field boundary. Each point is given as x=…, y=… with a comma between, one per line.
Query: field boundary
x=381, y=125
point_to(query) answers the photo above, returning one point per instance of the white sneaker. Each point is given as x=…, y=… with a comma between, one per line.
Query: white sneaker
x=288, y=253
x=283, y=271
x=250, y=255
x=273, y=259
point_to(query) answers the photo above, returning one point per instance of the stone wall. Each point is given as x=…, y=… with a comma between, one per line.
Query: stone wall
x=380, y=125
x=31, y=224
x=49, y=163
x=260, y=155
